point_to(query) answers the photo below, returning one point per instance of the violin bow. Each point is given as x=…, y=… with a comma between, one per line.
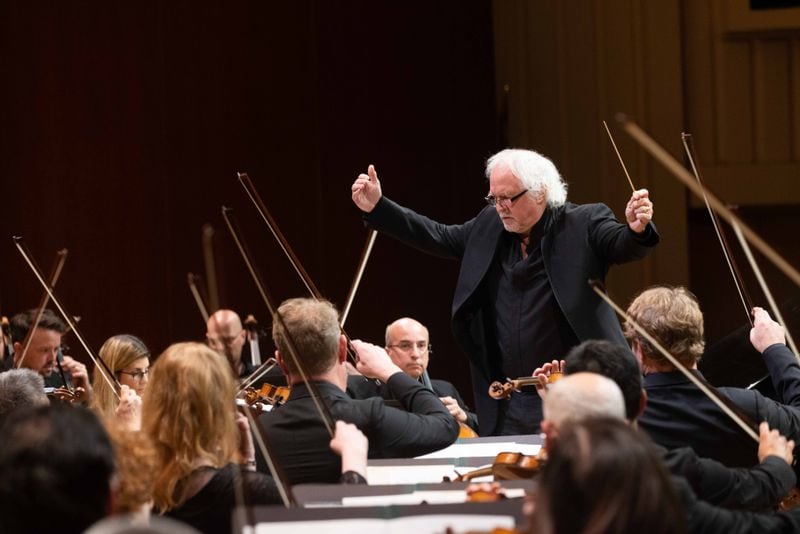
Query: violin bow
x=211, y=267
x=362, y=263
x=260, y=371
x=740, y=419
x=192, y=279
x=322, y=408
x=732, y=266
x=765, y=289
x=105, y=372
x=736, y=274
x=625, y=169
x=672, y=165
x=61, y=259
x=251, y=191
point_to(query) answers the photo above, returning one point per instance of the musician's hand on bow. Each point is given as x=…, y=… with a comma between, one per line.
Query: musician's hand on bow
x=545, y=373
x=352, y=445
x=246, y=448
x=639, y=211
x=765, y=331
x=366, y=190
x=771, y=443
x=129, y=410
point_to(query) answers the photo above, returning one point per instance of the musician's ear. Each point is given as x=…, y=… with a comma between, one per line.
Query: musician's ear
x=17, y=351
x=279, y=359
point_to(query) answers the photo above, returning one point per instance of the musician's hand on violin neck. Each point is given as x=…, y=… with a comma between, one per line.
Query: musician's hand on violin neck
x=373, y=361
x=77, y=371
x=765, y=331
x=129, y=409
x=547, y=374
x=366, y=190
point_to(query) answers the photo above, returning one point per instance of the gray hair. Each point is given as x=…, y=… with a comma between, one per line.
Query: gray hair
x=583, y=396
x=20, y=388
x=536, y=172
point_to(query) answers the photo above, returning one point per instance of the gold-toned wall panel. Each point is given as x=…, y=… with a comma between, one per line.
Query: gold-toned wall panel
x=742, y=87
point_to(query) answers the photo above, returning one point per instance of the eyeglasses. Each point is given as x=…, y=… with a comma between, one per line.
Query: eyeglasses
x=408, y=346
x=137, y=375
x=505, y=202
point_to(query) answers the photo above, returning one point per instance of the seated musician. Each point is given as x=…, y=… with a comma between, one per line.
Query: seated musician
x=189, y=415
x=128, y=359
x=408, y=345
x=225, y=334
x=578, y=398
x=296, y=429
x=602, y=476
x=678, y=413
x=42, y=353
x=56, y=469
x=20, y=388
x=756, y=488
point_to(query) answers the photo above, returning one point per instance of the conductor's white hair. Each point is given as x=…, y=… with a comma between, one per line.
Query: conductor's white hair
x=536, y=172
x=583, y=396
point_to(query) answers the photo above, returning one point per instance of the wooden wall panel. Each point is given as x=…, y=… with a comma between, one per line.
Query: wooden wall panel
x=586, y=62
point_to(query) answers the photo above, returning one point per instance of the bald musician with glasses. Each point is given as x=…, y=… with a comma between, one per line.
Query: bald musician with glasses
x=408, y=345
x=522, y=297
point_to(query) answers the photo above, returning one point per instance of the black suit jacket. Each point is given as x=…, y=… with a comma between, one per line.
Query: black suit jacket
x=299, y=438
x=579, y=243
x=359, y=388
x=678, y=414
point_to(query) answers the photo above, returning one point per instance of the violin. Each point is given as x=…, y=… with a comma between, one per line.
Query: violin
x=507, y=466
x=66, y=395
x=269, y=394
x=499, y=390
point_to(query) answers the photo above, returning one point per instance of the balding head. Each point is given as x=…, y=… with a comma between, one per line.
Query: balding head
x=226, y=336
x=582, y=396
x=407, y=343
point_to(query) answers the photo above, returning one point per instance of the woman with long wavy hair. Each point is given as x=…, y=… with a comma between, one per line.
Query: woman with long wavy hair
x=189, y=415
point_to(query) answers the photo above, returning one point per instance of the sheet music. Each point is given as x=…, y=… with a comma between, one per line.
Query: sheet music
x=419, y=524
x=481, y=450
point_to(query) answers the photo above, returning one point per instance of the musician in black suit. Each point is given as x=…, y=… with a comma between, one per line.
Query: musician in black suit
x=408, y=345
x=522, y=296
x=296, y=430
x=678, y=413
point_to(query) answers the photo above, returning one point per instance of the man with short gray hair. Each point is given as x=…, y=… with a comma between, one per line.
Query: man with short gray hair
x=20, y=388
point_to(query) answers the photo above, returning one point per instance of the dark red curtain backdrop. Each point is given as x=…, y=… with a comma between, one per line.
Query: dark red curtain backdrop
x=122, y=125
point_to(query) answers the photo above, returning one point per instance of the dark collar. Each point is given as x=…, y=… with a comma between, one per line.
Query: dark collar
x=326, y=389
x=672, y=378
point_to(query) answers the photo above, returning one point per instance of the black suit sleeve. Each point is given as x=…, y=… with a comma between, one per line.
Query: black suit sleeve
x=709, y=519
x=425, y=427
x=418, y=231
x=757, y=488
x=784, y=372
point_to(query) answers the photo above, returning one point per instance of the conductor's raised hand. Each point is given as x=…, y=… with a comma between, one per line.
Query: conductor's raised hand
x=639, y=211
x=366, y=190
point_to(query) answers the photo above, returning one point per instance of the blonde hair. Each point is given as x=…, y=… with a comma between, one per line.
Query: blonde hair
x=118, y=352
x=188, y=414
x=314, y=329
x=672, y=316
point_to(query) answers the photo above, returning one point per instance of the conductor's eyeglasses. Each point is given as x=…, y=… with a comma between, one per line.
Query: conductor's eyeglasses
x=505, y=202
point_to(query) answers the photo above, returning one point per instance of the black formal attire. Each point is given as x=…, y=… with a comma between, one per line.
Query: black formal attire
x=301, y=442
x=358, y=388
x=705, y=518
x=210, y=509
x=678, y=414
x=513, y=312
x=758, y=489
